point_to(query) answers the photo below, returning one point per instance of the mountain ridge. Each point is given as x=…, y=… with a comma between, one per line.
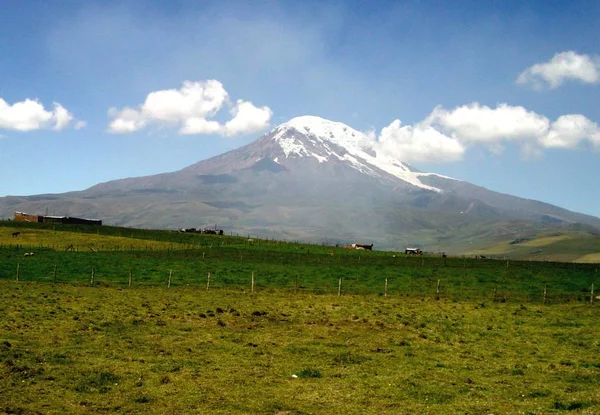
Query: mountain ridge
x=311, y=179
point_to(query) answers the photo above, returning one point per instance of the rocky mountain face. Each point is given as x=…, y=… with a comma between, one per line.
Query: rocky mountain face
x=312, y=179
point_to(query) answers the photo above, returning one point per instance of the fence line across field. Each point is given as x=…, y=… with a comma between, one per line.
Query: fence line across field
x=438, y=290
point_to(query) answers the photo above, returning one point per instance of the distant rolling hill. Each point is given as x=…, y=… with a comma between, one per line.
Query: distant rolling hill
x=561, y=247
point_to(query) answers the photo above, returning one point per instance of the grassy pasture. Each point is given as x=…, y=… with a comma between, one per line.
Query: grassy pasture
x=488, y=345
x=568, y=247
x=316, y=269
x=76, y=349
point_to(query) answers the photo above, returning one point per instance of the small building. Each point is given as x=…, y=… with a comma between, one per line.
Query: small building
x=26, y=217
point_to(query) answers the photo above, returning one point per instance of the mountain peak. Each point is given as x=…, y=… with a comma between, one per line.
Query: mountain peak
x=324, y=129
x=328, y=141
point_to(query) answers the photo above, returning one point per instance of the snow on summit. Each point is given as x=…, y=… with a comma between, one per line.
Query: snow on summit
x=324, y=140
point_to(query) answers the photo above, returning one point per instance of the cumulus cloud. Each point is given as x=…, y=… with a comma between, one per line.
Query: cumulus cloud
x=570, y=130
x=563, y=66
x=445, y=135
x=480, y=123
x=418, y=143
x=189, y=109
x=247, y=118
x=30, y=115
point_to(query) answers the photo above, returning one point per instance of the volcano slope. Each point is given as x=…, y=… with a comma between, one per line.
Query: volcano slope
x=315, y=180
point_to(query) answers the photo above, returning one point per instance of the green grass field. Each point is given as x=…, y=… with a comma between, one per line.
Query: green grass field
x=491, y=343
x=75, y=349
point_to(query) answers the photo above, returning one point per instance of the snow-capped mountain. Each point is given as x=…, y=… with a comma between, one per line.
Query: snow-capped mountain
x=309, y=178
x=325, y=140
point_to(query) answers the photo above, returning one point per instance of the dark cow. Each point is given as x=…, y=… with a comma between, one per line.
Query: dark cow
x=15, y=234
x=366, y=247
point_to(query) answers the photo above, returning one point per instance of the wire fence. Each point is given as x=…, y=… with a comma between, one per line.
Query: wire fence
x=428, y=278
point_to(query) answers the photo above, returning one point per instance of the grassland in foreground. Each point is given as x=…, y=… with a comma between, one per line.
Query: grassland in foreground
x=293, y=346
x=76, y=349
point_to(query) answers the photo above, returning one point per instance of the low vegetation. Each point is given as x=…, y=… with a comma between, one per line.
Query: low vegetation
x=568, y=247
x=78, y=349
x=489, y=344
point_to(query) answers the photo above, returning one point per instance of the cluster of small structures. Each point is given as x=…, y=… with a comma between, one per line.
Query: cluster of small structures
x=204, y=231
x=26, y=217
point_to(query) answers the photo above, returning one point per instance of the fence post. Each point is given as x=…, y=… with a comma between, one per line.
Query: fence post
x=18, y=270
x=340, y=287
x=545, y=292
x=92, y=278
x=437, y=291
x=385, y=289
x=208, y=281
x=170, y=275
x=252, y=286
x=130, y=277
x=592, y=294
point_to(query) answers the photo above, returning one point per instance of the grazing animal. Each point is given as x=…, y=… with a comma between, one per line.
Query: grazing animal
x=15, y=234
x=28, y=254
x=413, y=251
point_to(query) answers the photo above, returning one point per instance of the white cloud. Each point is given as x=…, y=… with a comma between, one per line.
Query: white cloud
x=247, y=118
x=570, y=130
x=198, y=125
x=480, y=123
x=62, y=116
x=30, y=115
x=563, y=66
x=419, y=143
x=445, y=135
x=189, y=109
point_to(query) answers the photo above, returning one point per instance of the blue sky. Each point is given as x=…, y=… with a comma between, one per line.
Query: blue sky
x=503, y=94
